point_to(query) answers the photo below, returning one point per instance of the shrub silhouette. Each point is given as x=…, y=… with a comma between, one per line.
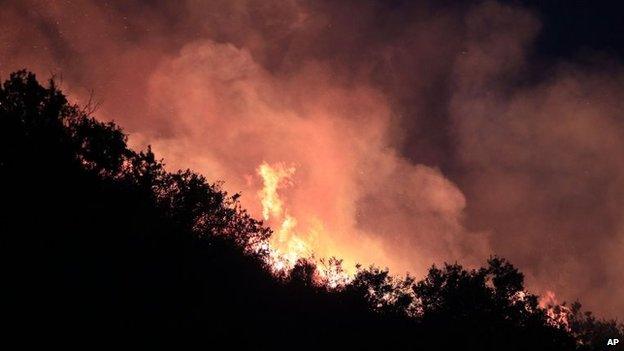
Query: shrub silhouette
x=100, y=242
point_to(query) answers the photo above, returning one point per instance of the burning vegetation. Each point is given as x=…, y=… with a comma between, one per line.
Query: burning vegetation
x=102, y=241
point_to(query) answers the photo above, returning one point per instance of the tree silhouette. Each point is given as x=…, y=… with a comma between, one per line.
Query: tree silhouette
x=487, y=306
x=100, y=241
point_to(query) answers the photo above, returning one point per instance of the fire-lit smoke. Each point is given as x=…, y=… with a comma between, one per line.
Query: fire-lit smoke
x=396, y=135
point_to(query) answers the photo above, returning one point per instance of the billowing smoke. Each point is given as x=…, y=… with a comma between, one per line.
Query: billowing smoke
x=416, y=133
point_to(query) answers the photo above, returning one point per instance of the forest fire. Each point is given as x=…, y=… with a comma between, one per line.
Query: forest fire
x=379, y=174
x=273, y=178
x=287, y=245
x=557, y=313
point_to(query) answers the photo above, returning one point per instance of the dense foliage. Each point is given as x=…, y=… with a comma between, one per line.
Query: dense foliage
x=100, y=242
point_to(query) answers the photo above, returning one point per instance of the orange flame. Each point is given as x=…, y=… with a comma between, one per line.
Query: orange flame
x=557, y=314
x=287, y=245
x=273, y=178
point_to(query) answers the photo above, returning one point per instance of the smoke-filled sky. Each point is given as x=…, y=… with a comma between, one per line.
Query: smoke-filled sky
x=412, y=133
